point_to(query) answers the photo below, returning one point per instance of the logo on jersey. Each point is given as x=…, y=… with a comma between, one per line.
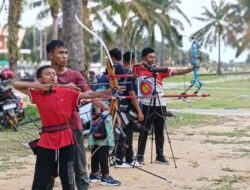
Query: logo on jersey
x=146, y=88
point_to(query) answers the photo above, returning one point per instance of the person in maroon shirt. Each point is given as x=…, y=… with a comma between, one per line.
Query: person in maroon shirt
x=55, y=146
x=57, y=54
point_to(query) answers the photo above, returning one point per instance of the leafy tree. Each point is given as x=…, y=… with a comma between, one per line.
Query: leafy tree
x=138, y=16
x=3, y=56
x=158, y=16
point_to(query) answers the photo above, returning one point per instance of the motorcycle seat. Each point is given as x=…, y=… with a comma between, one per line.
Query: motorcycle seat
x=4, y=90
x=6, y=93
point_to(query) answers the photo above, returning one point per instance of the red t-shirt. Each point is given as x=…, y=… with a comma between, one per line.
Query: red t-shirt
x=73, y=76
x=55, y=109
x=145, y=82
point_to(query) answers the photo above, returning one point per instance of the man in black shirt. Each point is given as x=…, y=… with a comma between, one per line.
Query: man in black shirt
x=129, y=110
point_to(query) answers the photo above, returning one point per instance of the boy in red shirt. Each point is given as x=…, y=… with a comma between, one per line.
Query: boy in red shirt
x=55, y=105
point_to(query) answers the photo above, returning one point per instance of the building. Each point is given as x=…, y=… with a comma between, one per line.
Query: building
x=4, y=39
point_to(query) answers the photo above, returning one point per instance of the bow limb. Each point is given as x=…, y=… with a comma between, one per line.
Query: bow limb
x=111, y=71
x=95, y=35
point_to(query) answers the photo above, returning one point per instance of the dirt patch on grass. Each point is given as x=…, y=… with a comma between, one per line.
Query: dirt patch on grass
x=208, y=157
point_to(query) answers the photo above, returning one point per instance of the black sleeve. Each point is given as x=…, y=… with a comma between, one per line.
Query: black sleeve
x=130, y=84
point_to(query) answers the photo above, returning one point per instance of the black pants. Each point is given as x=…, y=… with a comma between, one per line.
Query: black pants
x=80, y=164
x=125, y=145
x=47, y=162
x=100, y=159
x=154, y=117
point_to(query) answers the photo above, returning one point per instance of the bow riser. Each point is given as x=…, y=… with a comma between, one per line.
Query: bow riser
x=195, y=56
x=114, y=84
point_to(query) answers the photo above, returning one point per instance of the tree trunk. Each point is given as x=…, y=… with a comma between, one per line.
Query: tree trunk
x=85, y=3
x=72, y=33
x=161, y=53
x=152, y=39
x=15, y=8
x=219, y=72
x=123, y=45
x=54, y=14
x=86, y=35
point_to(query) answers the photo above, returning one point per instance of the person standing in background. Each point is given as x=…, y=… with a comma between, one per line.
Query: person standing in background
x=146, y=87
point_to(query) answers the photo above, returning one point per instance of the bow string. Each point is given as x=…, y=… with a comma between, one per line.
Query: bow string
x=110, y=68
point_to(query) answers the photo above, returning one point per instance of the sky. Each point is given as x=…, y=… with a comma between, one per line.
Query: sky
x=192, y=8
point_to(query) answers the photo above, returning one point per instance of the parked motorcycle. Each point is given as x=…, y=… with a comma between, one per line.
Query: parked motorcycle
x=11, y=106
x=11, y=109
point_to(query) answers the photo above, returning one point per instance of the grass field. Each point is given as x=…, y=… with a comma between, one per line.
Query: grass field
x=226, y=91
x=206, y=77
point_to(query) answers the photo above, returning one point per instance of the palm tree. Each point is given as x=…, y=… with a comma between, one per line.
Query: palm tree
x=138, y=16
x=86, y=35
x=15, y=9
x=242, y=14
x=158, y=16
x=218, y=27
x=72, y=33
x=2, y=5
x=54, y=9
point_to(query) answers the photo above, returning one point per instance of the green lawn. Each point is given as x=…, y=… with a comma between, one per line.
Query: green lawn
x=205, y=77
x=14, y=144
x=233, y=94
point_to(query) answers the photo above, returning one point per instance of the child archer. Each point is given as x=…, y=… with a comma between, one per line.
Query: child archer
x=55, y=146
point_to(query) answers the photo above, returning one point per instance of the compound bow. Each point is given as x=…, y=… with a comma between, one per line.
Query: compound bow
x=195, y=55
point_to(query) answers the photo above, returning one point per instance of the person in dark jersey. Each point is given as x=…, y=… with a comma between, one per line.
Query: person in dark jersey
x=128, y=107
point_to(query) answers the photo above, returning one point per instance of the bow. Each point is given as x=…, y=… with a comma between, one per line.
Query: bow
x=195, y=51
x=111, y=71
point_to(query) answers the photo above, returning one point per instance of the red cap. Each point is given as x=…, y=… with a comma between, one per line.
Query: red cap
x=6, y=74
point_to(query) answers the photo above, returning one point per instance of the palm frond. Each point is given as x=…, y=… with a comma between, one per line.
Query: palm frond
x=2, y=5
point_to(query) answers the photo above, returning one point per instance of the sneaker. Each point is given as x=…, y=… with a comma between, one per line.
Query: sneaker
x=123, y=165
x=161, y=160
x=109, y=181
x=135, y=163
x=140, y=160
x=95, y=178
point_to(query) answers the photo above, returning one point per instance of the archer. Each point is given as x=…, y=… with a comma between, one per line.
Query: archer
x=55, y=146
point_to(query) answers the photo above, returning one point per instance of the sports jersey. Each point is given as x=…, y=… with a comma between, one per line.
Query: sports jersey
x=145, y=82
x=55, y=109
